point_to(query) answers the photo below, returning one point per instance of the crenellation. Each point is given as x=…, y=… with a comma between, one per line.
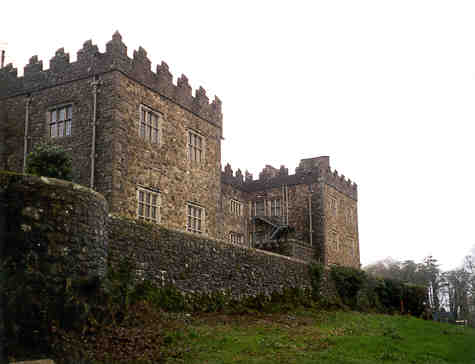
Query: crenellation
x=228, y=171
x=283, y=171
x=91, y=62
x=248, y=176
x=142, y=67
x=116, y=47
x=340, y=182
x=87, y=52
x=59, y=62
x=268, y=172
x=183, y=92
x=239, y=176
x=165, y=80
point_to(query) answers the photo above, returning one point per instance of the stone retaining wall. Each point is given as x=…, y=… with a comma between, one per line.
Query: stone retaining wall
x=196, y=264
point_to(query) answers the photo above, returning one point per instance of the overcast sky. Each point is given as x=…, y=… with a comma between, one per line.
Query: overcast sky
x=385, y=88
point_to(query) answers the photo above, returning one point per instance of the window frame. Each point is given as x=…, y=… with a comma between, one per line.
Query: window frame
x=148, y=204
x=235, y=207
x=191, y=148
x=236, y=238
x=195, y=224
x=276, y=207
x=65, y=122
x=146, y=125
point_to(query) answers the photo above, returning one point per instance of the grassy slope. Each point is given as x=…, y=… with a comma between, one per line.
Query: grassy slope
x=323, y=337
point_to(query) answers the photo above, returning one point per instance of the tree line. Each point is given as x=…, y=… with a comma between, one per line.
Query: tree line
x=451, y=292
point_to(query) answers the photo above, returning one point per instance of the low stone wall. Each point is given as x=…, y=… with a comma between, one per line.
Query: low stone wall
x=196, y=264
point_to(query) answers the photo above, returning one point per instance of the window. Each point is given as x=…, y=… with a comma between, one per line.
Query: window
x=60, y=119
x=260, y=208
x=275, y=207
x=195, y=146
x=148, y=205
x=235, y=207
x=333, y=205
x=149, y=125
x=195, y=222
x=235, y=238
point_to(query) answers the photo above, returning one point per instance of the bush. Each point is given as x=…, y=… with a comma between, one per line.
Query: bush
x=49, y=160
x=316, y=278
x=348, y=282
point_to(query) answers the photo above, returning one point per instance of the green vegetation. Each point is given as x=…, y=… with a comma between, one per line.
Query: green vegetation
x=49, y=160
x=314, y=336
x=120, y=319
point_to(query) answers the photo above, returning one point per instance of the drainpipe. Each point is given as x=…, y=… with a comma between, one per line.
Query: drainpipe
x=95, y=84
x=310, y=232
x=25, y=139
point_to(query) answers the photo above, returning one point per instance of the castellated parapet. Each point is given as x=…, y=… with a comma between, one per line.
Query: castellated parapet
x=91, y=62
x=309, y=170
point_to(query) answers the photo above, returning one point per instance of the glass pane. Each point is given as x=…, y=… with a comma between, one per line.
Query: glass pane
x=198, y=139
x=154, y=200
x=53, y=130
x=199, y=225
x=69, y=112
x=154, y=212
x=189, y=222
x=147, y=210
x=155, y=121
x=68, y=127
x=149, y=132
x=141, y=196
x=148, y=198
x=62, y=114
x=60, y=129
x=142, y=130
x=140, y=209
x=154, y=136
x=53, y=116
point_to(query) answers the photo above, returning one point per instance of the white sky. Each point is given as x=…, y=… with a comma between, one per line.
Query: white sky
x=386, y=88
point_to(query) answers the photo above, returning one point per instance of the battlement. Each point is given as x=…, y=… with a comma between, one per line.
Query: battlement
x=308, y=171
x=321, y=166
x=228, y=176
x=91, y=62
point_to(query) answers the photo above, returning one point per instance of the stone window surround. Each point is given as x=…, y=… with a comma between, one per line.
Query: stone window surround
x=143, y=127
x=275, y=207
x=235, y=207
x=333, y=205
x=148, y=204
x=236, y=238
x=195, y=218
x=191, y=148
x=66, y=122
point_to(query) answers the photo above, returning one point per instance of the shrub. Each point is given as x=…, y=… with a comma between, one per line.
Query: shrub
x=348, y=281
x=316, y=278
x=49, y=160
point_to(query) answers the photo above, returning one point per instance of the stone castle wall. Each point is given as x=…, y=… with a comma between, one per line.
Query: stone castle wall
x=164, y=166
x=70, y=225
x=91, y=62
x=196, y=264
x=341, y=228
x=62, y=223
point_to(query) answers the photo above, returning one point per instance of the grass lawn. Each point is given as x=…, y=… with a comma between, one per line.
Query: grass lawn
x=306, y=336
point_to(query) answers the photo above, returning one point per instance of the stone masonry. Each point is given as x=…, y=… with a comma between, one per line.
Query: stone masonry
x=154, y=151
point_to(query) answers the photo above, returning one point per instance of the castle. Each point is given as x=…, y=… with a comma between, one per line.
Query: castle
x=154, y=151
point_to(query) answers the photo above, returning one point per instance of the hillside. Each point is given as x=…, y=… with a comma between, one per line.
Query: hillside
x=308, y=336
